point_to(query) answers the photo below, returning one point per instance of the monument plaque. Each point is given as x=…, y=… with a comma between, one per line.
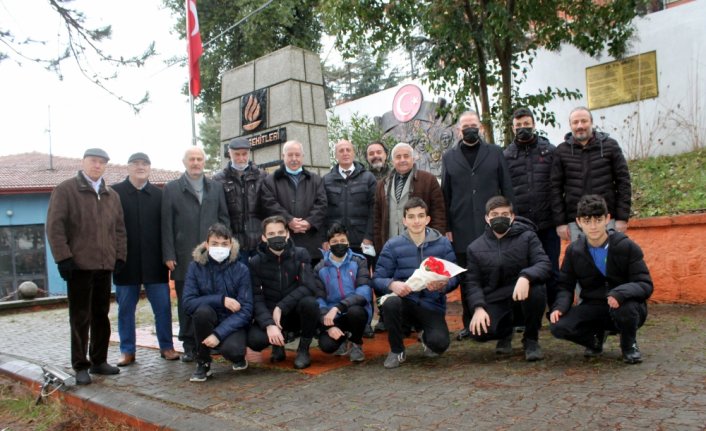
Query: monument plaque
x=622, y=81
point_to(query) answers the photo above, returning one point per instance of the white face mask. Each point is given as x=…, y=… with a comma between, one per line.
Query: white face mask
x=219, y=254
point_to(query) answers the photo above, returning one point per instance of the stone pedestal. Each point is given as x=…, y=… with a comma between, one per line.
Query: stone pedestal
x=288, y=84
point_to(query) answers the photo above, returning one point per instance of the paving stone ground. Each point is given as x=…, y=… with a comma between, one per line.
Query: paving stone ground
x=469, y=386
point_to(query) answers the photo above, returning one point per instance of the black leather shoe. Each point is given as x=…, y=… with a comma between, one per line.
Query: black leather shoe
x=83, y=378
x=596, y=347
x=104, y=369
x=462, y=334
x=278, y=354
x=188, y=356
x=632, y=355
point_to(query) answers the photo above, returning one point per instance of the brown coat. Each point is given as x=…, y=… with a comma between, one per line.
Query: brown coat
x=86, y=227
x=424, y=185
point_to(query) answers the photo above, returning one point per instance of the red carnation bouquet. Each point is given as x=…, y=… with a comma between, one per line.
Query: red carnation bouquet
x=431, y=269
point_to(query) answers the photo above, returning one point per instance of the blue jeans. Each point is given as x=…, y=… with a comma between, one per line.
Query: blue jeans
x=158, y=295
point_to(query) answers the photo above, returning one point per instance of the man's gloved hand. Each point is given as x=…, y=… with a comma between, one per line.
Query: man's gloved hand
x=66, y=268
x=119, y=266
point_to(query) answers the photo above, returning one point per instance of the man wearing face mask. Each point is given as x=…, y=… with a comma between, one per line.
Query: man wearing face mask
x=284, y=293
x=473, y=171
x=218, y=297
x=242, y=184
x=298, y=195
x=529, y=159
x=346, y=308
x=507, y=263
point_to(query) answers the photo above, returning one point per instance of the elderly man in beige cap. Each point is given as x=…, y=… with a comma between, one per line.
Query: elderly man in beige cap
x=86, y=233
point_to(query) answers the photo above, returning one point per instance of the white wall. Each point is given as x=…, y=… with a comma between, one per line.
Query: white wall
x=668, y=124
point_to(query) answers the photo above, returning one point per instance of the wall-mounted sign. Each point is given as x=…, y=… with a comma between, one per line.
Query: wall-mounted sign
x=622, y=81
x=253, y=111
x=407, y=102
x=264, y=139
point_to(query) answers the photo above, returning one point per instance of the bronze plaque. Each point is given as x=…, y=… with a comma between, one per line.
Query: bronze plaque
x=622, y=81
x=253, y=111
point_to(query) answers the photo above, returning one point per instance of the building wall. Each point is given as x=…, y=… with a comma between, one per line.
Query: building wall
x=31, y=209
x=668, y=124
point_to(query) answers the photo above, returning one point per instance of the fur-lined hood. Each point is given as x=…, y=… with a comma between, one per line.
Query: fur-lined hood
x=200, y=253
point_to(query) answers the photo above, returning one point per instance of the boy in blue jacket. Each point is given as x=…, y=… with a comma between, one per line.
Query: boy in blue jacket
x=426, y=309
x=344, y=276
x=218, y=296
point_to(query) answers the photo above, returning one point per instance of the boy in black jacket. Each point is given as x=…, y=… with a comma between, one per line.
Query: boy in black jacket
x=615, y=285
x=283, y=293
x=505, y=264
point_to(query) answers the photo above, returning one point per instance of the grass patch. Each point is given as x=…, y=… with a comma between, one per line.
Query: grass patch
x=18, y=411
x=669, y=185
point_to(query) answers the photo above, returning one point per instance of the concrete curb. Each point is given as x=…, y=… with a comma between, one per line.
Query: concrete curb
x=131, y=409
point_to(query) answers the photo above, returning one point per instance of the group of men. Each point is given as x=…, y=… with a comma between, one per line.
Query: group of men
x=259, y=259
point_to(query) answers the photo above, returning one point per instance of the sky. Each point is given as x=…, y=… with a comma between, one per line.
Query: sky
x=82, y=114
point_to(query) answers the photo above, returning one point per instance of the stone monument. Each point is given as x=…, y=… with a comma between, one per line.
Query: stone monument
x=273, y=99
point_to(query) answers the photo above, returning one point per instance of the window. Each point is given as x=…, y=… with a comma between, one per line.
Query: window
x=22, y=258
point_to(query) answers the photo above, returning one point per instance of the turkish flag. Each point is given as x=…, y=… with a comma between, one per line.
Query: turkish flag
x=195, y=46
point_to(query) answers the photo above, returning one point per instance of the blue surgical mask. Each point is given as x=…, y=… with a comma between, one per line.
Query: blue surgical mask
x=291, y=172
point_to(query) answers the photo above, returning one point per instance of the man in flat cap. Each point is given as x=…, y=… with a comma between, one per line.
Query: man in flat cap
x=190, y=205
x=242, y=183
x=86, y=234
x=142, y=208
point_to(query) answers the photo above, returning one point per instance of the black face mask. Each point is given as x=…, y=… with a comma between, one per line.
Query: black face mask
x=471, y=135
x=277, y=243
x=524, y=134
x=339, y=250
x=500, y=225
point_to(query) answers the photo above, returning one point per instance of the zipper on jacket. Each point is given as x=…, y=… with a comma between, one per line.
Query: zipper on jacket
x=340, y=283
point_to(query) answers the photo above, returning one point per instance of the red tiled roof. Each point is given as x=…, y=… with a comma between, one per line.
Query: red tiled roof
x=30, y=173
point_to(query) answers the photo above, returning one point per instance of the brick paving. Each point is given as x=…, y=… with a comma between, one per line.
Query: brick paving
x=466, y=387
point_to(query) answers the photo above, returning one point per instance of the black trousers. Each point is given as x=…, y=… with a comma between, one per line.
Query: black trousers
x=583, y=321
x=186, y=327
x=89, y=302
x=502, y=316
x=552, y=247
x=304, y=317
x=205, y=320
x=400, y=314
x=467, y=314
x=353, y=321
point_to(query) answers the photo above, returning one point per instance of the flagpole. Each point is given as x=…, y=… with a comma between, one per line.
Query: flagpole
x=191, y=94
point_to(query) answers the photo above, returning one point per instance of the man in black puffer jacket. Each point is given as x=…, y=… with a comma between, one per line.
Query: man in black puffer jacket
x=284, y=292
x=529, y=160
x=588, y=162
x=242, y=184
x=615, y=285
x=505, y=264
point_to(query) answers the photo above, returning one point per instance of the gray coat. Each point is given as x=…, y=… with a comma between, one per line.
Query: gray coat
x=185, y=222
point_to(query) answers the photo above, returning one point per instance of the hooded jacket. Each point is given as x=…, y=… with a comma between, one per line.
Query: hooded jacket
x=209, y=283
x=400, y=257
x=530, y=166
x=351, y=202
x=627, y=276
x=306, y=201
x=599, y=168
x=243, y=200
x=345, y=285
x=495, y=264
x=280, y=281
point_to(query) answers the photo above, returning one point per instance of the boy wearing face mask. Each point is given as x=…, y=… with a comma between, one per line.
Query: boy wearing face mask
x=218, y=297
x=344, y=276
x=284, y=293
x=507, y=263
